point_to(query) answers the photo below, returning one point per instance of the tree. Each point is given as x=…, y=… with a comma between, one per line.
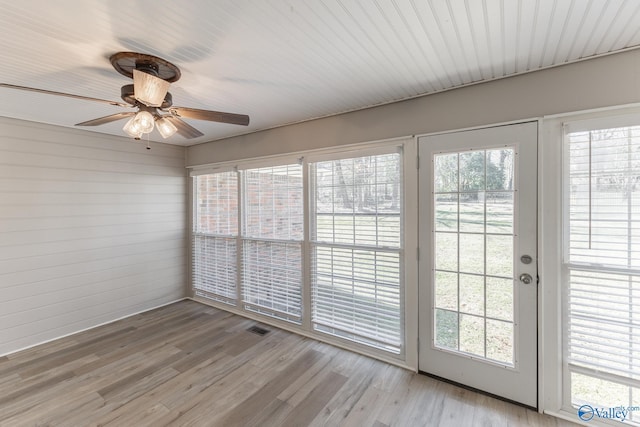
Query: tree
x=472, y=171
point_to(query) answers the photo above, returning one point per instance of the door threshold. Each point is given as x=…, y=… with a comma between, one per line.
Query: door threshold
x=476, y=390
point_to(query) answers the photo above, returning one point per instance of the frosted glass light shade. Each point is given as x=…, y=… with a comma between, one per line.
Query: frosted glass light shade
x=132, y=129
x=149, y=89
x=165, y=127
x=145, y=121
x=141, y=123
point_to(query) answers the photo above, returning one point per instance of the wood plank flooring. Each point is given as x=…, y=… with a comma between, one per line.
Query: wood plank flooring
x=188, y=364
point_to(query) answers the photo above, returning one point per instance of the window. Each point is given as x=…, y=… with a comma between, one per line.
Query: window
x=340, y=279
x=272, y=237
x=215, y=229
x=474, y=202
x=602, y=264
x=356, y=249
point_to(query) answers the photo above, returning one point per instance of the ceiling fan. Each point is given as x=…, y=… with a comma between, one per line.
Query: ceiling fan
x=149, y=95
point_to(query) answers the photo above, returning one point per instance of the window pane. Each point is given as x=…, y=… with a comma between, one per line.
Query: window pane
x=357, y=292
x=446, y=177
x=446, y=212
x=472, y=294
x=356, y=236
x=472, y=174
x=499, y=212
x=214, y=268
x=500, y=255
x=273, y=207
x=446, y=329
x=446, y=255
x=446, y=290
x=272, y=250
x=357, y=201
x=216, y=204
x=603, y=284
x=500, y=298
x=604, y=211
x=603, y=333
x=500, y=341
x=473, y=244
x=215, y=226
x=472, y=339
x=597, y=392
x=472, y=212
x=500, y=169
x=272, y=279
x=472, y=253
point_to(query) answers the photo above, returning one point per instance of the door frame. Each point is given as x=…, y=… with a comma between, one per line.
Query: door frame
x=425, y=267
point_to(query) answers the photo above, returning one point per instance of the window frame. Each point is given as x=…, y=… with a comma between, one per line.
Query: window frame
x=246, y=239
x=554, y=395
x=195, y=233
x=584, y=267
x=376, y=249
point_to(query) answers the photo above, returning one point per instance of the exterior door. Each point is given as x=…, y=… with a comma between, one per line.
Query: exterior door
x=478, y=269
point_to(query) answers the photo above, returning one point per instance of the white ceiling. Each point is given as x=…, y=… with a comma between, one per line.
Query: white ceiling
x=285, y=61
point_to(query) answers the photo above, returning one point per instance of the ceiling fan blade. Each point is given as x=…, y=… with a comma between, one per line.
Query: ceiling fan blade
x=68, y=95
x=212, y=116
x=184, y=128
x=106, y=119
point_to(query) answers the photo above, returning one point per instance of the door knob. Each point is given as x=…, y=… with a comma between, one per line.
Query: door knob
x=526, y=278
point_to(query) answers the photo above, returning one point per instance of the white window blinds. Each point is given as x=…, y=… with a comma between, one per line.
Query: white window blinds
x=356, y=249
x=273, y=221
x=602, y=262
x=215, y=230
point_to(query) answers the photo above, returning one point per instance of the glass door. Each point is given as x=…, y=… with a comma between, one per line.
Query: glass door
x=478, y=274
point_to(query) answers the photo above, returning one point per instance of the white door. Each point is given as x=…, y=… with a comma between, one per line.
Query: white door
x=478, y=269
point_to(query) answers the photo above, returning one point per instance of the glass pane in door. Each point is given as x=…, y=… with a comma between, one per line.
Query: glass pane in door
x=473, y=215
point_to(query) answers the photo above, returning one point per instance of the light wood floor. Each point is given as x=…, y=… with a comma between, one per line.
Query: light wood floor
x=190, y=364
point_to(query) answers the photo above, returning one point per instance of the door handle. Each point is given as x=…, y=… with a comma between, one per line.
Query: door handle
x=526, y=278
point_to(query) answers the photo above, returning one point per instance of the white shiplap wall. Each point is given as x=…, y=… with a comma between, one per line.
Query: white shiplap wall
x=92, y=228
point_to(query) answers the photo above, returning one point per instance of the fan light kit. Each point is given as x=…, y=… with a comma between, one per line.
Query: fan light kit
x=141, y=123
x=149, y=94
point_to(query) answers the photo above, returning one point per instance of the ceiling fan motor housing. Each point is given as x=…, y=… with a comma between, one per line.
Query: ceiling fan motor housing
x=127, y=95
x=126, y=62
x=147, y=67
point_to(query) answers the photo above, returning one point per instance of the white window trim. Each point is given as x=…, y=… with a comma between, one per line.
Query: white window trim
x=291, y=157
x=554, y=399
x=361, y=152
x=211, y=170
x=407, y=147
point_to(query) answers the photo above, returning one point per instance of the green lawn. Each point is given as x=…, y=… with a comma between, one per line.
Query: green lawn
x=473, y=281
